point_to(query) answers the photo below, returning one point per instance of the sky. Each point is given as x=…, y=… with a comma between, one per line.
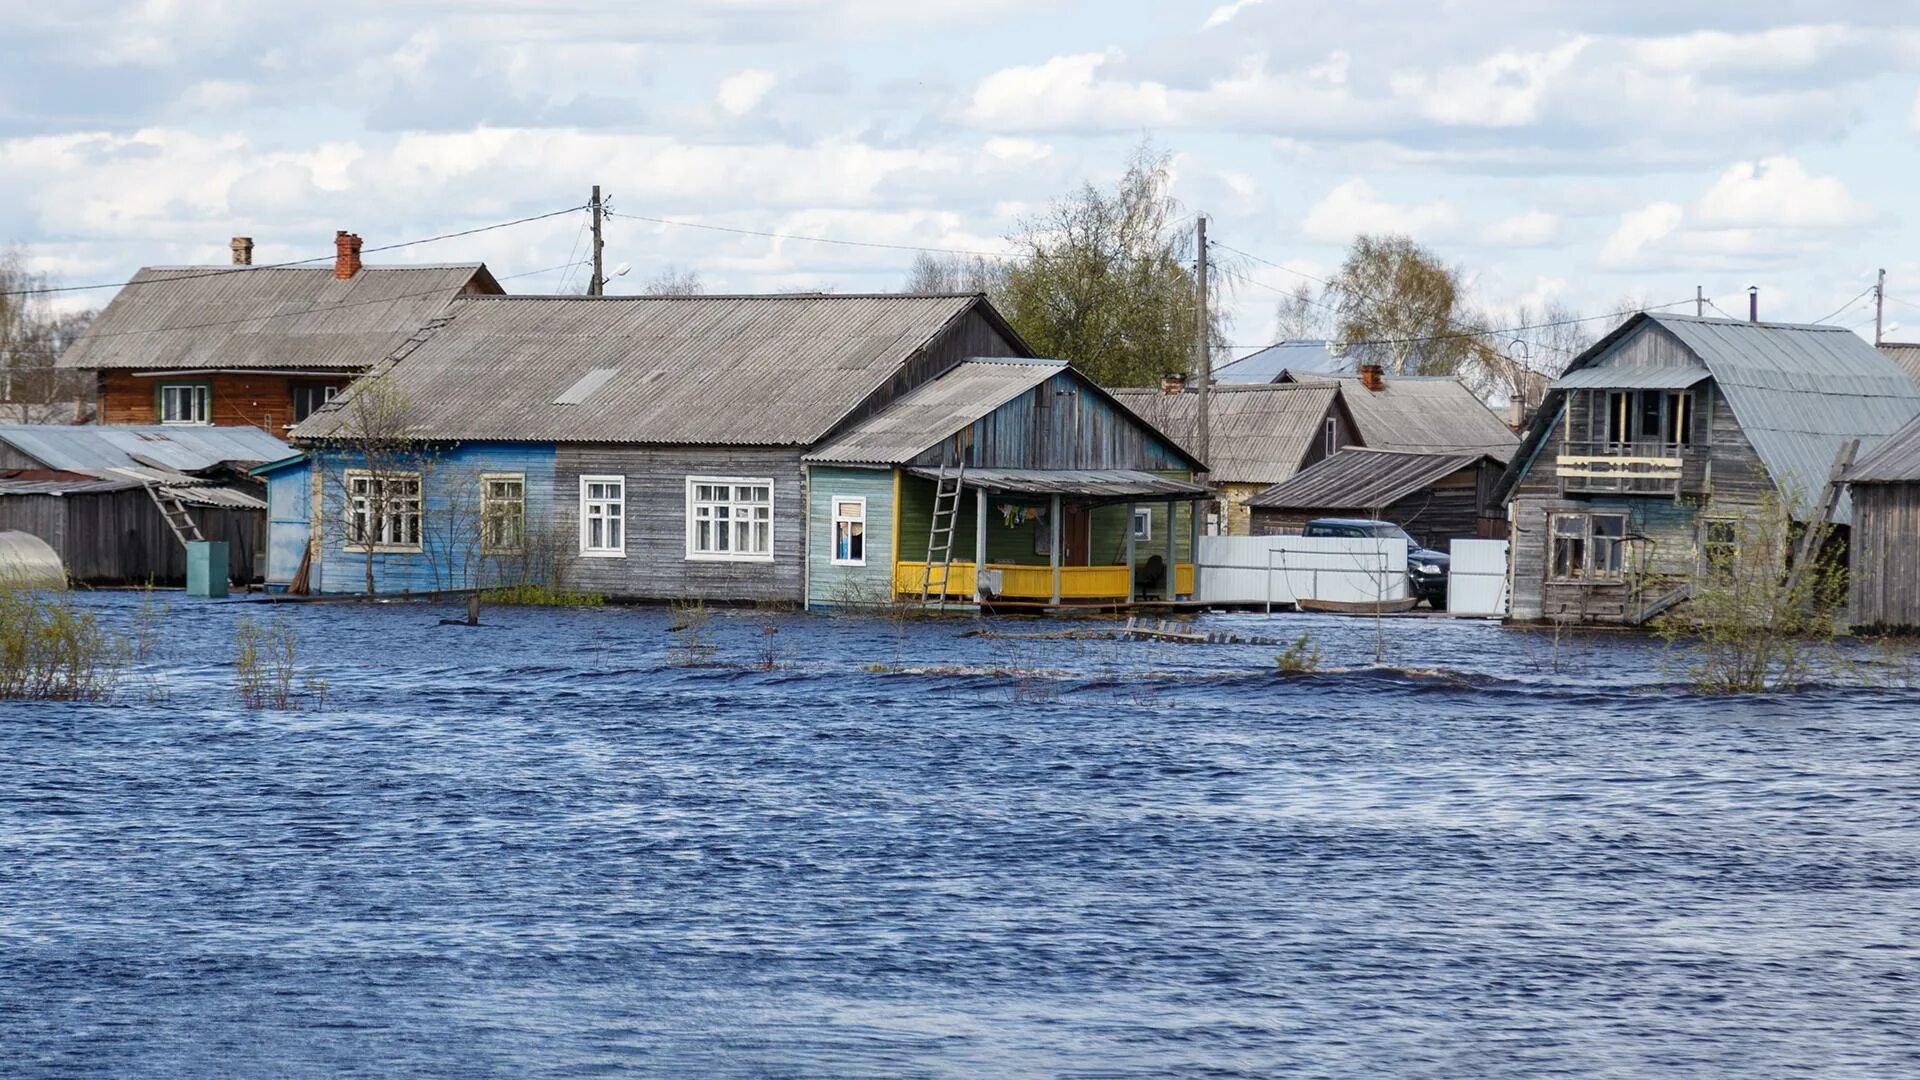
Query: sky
x=1585, y=153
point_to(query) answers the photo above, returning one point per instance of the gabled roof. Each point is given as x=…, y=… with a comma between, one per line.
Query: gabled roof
x=1359, y=478
x=1797, y=391
x=211, y=318
x=1267, y=365
x=1257, y=434
x=1894, y=461
x=174, y=448
x=778, y=370
x=1423, y=414
x=934, y=411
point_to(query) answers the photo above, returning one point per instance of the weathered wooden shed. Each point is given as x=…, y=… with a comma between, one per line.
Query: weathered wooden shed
x=1437, y=498
x=1884, y=546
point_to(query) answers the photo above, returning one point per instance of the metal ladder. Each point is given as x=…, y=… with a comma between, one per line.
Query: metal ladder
x=946, y=508
x=176, y=514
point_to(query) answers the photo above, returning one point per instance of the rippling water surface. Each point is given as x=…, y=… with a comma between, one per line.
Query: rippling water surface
x=540, y=848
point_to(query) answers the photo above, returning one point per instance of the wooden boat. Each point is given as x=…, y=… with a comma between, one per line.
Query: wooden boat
x=1356, y=607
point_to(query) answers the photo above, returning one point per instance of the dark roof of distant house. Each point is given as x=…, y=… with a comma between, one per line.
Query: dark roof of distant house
x=1798, y=392
x=213, y=318
x=1266, y=365
x=1257, y=434
x=174, y=448
x=774, y=370
x=1425, y=414
x=1361, y=478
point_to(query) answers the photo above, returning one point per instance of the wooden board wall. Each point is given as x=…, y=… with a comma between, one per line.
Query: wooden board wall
x=254, y=399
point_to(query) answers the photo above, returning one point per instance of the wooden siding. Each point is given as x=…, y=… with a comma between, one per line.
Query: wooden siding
x=289, y=521
x=656, y=566
x=1060, y=424
x=1884, y=575
x=449, y=556
x=1665, y=553
x=969, y=336
x=829, y=585
x=262, y=399
x=120, y=537
x=1447, y=510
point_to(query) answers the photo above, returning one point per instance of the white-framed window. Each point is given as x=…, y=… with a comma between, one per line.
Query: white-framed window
x=309, y=397
x=603, y=516
x=1587, y=547
x=1142, y=523
x=503, y=513
x=730, y=518
x=383, y=511
x=849, y=530
x=1333, y=435
x=184, y=403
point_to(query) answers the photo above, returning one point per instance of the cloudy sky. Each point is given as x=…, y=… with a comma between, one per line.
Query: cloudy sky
x=1587, y=152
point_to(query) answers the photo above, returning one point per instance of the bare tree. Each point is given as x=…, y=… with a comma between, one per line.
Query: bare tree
x=1403, y=308
x=379, y=470
x=32, y=337
x=1299, y=317
x=674, y=281
x=932, y=273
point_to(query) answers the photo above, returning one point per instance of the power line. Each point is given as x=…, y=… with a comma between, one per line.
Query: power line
x=285, y=265
x=1864, y=293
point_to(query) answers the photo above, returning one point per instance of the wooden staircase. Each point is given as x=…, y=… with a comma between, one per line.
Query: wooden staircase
x=946, y=516
x=178, y=519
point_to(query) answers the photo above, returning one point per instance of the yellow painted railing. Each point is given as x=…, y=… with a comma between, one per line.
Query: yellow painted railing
x=1019, y=582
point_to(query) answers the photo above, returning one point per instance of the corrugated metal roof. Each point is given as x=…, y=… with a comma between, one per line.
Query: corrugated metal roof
x=1258, y=434
x=1086, y=483
x=287, y=318
x=30, y=562
x=704, y=370
x=1631, y=378
x=180, y=448
x=1905, y=354
x=935, y=410
x=1266, y=365
x=1357, y=478
x=1894, y=461
x=1422, y=414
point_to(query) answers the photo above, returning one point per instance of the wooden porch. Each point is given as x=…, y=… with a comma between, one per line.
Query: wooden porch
x=1084, y=585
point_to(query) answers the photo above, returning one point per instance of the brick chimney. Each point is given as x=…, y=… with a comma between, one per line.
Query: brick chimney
x=1373, y=377
x=1173, y=382
x=242, y=247
x=346, y=254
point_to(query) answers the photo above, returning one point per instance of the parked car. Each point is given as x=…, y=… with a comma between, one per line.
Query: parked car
x=1426, y=568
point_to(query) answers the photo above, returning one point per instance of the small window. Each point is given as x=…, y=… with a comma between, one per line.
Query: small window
x=503, y=513
x=1609, y=547
x=1142, y=523
x=383, y=511
x=309, y=397
x=1680, y=419
x=1588, y=547
x=603, y=506
x=1720, y=548
x=850, y=531
x=1333, y=435
x=184, y=403
x=1569, y=547
x=730, y=518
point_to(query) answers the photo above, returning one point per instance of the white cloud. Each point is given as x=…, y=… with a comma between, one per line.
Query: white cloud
x=1638, y=230
x=1503, y=90
x=1066, y=91
x=1225, y=13
x=1012, y=149
x=1771, y=51
x=1535, y=228
x=1353, y=208
x=1777, y=192
x=741, y=91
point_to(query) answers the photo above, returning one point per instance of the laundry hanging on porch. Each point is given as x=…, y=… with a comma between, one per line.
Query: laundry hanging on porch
x=1014, y=516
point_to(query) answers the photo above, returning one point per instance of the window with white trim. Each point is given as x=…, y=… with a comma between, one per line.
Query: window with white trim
x=184, y=403
x=849, y=530
x=730, y=518
x=1142, y=523
x=503, y=513
x=383, y=510
x=1333, y=435
x=603, y=516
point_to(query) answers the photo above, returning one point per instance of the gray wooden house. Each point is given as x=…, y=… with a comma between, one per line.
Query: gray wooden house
x=1660, y=439
x=1884, y=548
x=1438, y=498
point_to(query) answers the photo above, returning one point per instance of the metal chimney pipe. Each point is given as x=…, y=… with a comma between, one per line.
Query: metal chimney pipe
x=1753, y=303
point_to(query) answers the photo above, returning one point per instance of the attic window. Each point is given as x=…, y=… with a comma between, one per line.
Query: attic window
x=593, y=380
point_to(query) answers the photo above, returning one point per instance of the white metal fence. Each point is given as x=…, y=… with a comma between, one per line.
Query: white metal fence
x=1272, y=570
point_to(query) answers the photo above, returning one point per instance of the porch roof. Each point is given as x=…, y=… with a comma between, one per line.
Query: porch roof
x=1105, y=484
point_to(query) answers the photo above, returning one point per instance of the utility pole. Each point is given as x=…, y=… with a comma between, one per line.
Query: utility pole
x=1699, y=303
x=1202, y=346
x=1879, y=305
x=593, y=286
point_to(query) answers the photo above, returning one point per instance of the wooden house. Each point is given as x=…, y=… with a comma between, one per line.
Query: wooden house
x=1417, y=414
x=1437, y=498
x=1883, y=548
x=101, y=496
x=1259, y=434
x=259, y=346
x=778, y=449
x=1658, y=441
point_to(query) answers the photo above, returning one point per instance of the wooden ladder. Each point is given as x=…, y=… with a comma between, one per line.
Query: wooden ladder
x=946, y=516
x=176, y=514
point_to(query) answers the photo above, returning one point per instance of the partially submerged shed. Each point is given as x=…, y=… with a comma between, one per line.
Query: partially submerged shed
x=1884, y=549
x=1438, y=498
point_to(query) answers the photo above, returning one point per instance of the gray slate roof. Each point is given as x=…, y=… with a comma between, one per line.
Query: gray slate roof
x=188, y=318
x=780, y=370
x=177, y=448
x=1258, y=434
x=1112, y=484
x=1798, y=392
x=1358, y=478
x=1423, y=414
x=935, y=410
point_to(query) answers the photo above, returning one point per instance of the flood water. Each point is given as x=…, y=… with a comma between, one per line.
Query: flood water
x=546, y=847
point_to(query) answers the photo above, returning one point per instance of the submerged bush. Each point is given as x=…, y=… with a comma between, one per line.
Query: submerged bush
x=52, y=651
x=263, y=662
x=1301, y=658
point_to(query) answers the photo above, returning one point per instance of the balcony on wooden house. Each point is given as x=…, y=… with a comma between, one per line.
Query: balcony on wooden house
x=1634, y=431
